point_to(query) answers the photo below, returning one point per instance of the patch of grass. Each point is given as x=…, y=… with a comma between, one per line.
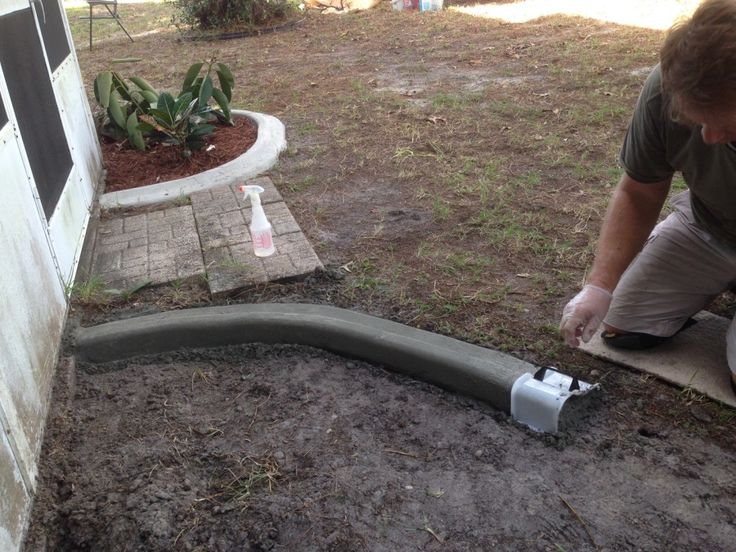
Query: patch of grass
x=403, y=153
x=363, y=277
x=454, y=101
x=231, y=263
x=518, y=237
x=724, y=414
x=531, y=179
x=441, y=208
x=137, y=18
x=465, y=263
x=89, y=291
x=95, y=291
x=300, y=185
x=308, y=127
x=259, y=474
x=365, y=94
x=603, y=115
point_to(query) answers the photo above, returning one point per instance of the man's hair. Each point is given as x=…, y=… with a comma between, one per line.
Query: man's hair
x=698, y=59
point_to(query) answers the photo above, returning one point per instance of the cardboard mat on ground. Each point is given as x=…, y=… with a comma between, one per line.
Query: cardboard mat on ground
x=695, y=358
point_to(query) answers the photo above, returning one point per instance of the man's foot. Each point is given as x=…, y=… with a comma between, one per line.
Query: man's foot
x=635, y=341
x=632, y=341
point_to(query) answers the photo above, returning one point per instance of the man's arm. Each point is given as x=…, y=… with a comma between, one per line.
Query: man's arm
x=630, y=218
x=631, y=215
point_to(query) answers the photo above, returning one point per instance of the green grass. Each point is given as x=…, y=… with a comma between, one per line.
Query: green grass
x=136, y=18
x=454, y=101
x=95, y=291
x=230, y=263
x=89, y=291
x=441, y=208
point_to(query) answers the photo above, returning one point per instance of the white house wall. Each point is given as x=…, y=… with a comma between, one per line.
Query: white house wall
x=13, y=498
x=33, y=307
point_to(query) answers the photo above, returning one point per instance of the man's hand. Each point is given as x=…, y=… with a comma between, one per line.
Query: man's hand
x=583, y=314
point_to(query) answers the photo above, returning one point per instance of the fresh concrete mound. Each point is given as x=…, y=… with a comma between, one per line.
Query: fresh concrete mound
x=468, y=369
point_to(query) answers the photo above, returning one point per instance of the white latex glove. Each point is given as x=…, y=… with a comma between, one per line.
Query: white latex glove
x=583, y=314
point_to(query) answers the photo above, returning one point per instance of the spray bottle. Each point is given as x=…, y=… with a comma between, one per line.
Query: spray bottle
x=260, y=228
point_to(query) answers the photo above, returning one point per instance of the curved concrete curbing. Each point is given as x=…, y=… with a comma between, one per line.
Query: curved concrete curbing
x=469, y=369
x=262, y=155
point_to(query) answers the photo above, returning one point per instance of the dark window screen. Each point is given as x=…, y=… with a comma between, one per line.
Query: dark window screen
x=34, y=105
x=54, y=35
x=3, y=115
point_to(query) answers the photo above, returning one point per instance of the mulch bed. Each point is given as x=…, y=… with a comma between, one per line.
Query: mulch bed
x=131, y=168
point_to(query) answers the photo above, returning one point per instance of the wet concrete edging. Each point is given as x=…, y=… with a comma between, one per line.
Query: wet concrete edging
x=462, y=367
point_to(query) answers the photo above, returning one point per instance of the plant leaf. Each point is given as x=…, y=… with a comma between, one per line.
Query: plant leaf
x=223, y=71
x=135, y=288
x=160, y=119
x=115, y=109
x=190, y=76
x=119, y=84
x=143, y=84
x=202, y=130
x=167, y=104
x=224, y=104
x=226, y=81
x=188, y=95
x=205, y=92
x=103, y=86
x=187, y=112
x=134, y=134
x=150, y=97
x=153, y=123
x=144, y=126
x=226, y=87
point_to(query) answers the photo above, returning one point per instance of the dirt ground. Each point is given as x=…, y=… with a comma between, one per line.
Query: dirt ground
x=256, y=448
x=451, y=172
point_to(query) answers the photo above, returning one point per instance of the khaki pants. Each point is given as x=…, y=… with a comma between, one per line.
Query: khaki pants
x=680, y=270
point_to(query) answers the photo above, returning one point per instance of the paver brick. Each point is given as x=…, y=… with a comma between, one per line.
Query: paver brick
x=123, y=237
x=107, y=262
x=133, y=223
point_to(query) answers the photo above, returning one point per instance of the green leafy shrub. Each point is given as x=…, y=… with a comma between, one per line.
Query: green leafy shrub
x=232, y=14
x=134, y=110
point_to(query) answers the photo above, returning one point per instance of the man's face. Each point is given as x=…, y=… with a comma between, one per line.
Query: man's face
x=716, y=126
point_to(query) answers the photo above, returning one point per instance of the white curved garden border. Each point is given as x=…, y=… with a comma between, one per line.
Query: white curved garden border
x=261, y=156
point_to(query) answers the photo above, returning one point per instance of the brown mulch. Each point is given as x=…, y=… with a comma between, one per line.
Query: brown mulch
x=130, y=168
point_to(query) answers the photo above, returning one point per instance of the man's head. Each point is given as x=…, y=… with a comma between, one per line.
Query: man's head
x=698, y=60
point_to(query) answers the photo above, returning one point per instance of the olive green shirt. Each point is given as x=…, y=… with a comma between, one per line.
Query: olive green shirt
x=656, y=147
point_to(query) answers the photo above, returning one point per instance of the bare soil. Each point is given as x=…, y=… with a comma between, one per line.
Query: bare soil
x=255, y=448
x=451, y=172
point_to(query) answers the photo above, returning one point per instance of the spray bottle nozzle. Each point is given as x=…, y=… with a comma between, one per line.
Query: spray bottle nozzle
x=253, y=190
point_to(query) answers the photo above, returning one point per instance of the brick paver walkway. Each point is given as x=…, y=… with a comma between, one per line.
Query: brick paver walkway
x=208, y=238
